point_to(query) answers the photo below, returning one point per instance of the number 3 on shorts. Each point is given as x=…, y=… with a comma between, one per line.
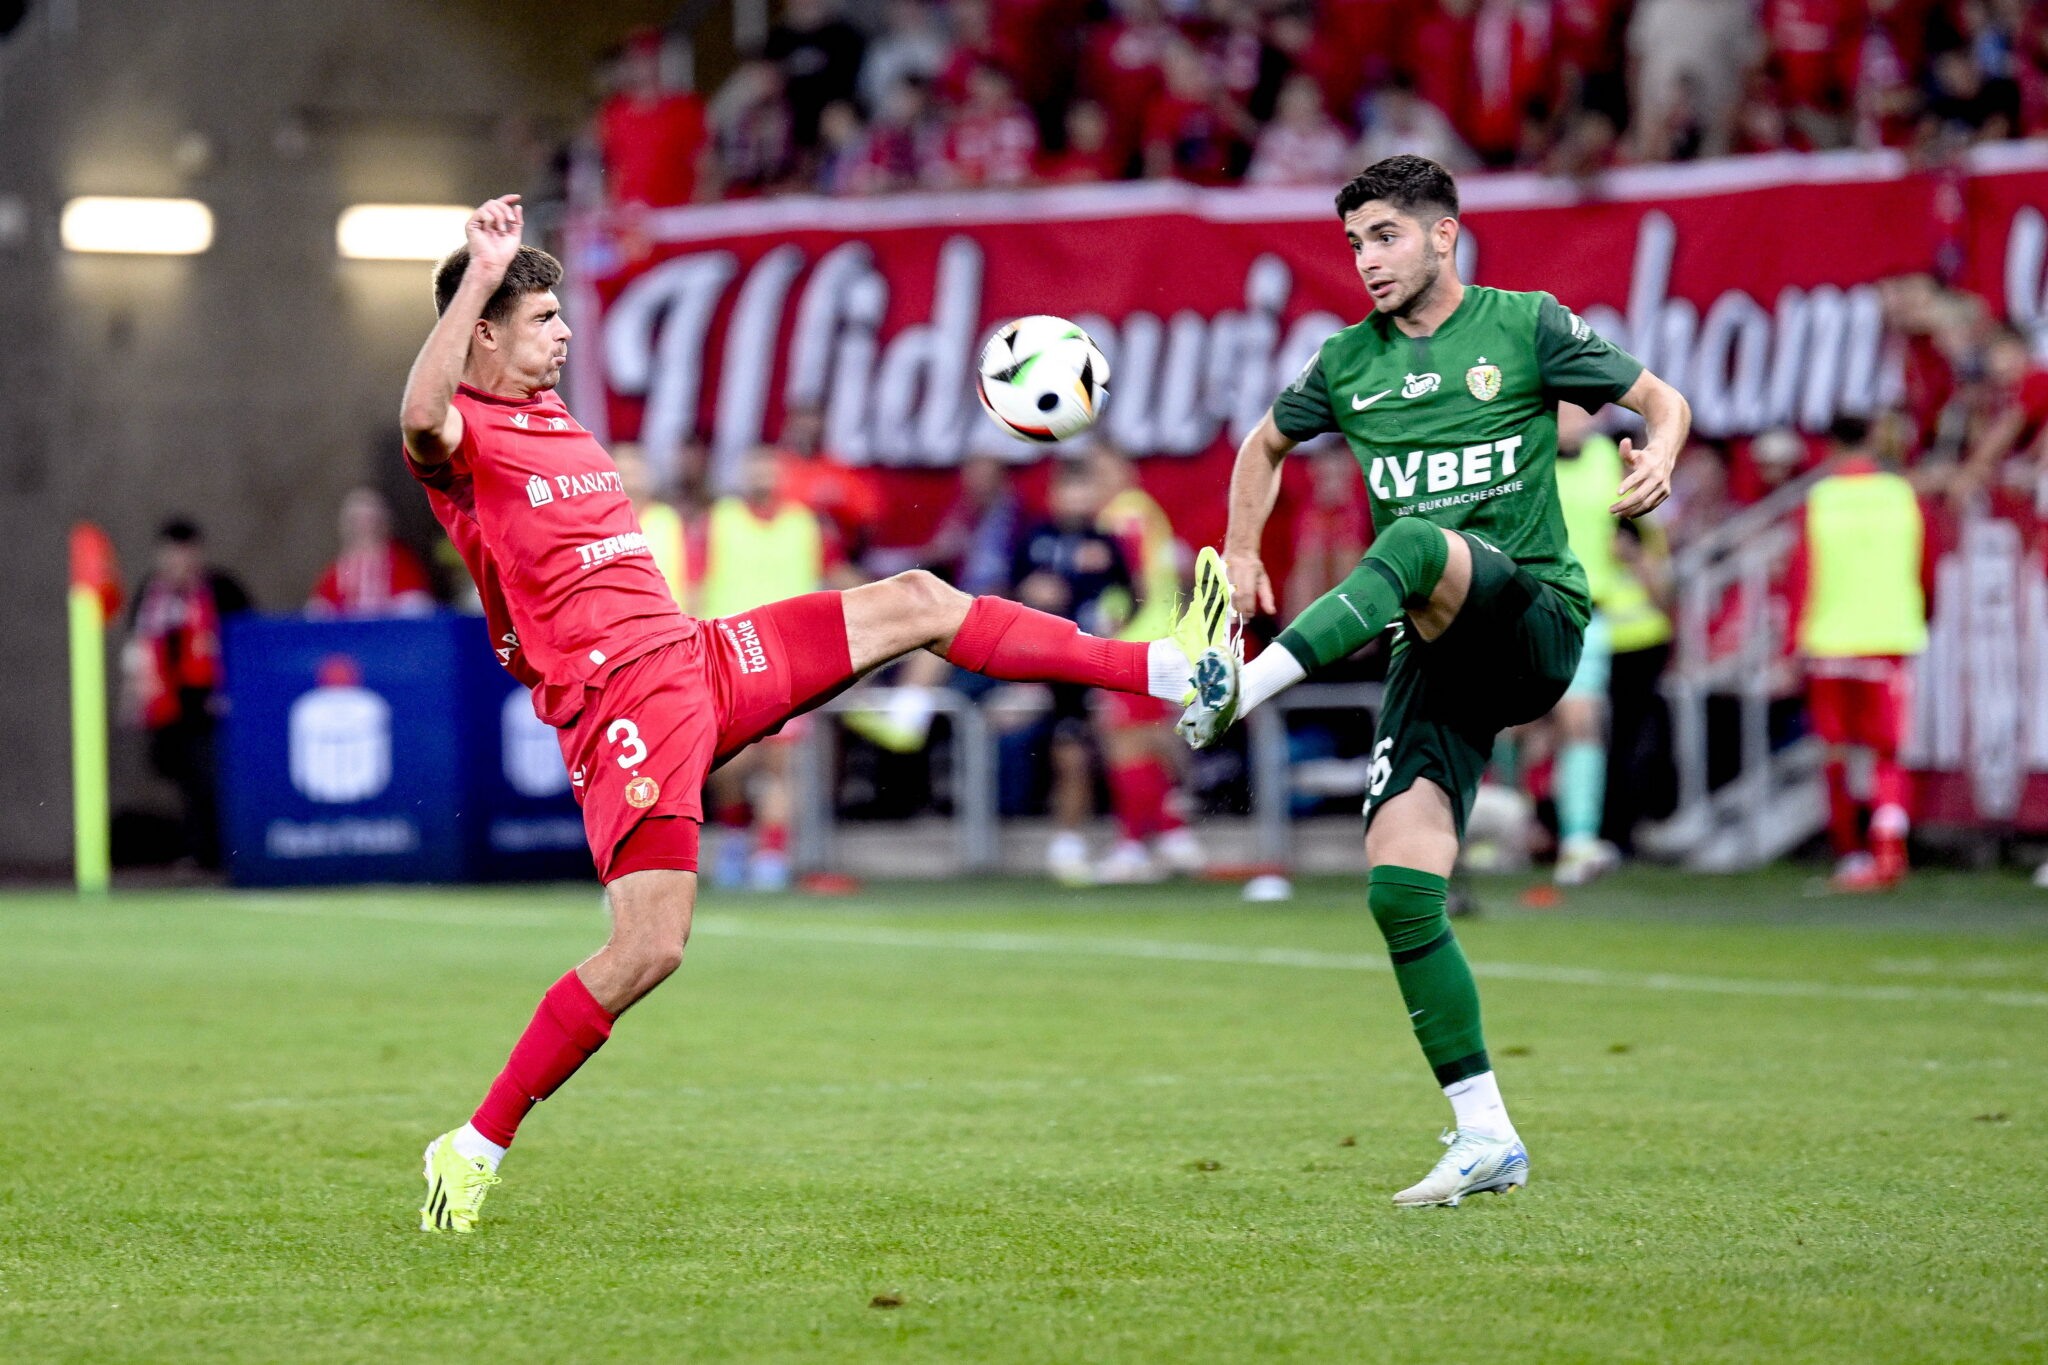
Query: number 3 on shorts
x=1380, y=773
x=633, y=749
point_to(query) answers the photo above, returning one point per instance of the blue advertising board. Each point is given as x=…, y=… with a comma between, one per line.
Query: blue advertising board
x=386, y=750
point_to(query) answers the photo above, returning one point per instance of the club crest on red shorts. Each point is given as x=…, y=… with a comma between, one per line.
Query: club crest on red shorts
x=642, y=792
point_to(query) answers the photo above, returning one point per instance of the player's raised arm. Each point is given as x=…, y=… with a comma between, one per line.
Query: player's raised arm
x=1254, y=485
x=1667, y=418
x=432, y=426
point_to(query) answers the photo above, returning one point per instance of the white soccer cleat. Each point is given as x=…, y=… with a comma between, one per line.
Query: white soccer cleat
x=1475, y=1164
x=1214, y=708
x=1130, y=863
x=1180, y=852
x=1582, y=860
x=1066, y=859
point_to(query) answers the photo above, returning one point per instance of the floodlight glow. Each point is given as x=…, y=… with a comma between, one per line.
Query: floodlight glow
x=399, y=232
x=146, y=227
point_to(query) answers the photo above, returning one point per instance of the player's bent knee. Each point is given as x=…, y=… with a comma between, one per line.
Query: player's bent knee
x=1408, y=534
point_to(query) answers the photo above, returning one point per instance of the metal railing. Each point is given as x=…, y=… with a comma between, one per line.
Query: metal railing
x=977, y=844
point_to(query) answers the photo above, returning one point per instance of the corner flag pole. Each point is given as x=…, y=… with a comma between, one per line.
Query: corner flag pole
x=94, y=597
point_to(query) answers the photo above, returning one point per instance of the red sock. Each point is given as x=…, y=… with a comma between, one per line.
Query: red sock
x=1138, y=791
x=773, y=839
x=566, y=1029
x=1842, y=830
x=1008, y=640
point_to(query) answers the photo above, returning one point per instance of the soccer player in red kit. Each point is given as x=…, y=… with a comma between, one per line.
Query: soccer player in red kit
x=649, y=700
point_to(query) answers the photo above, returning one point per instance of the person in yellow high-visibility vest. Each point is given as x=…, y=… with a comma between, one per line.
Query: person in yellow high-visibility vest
x=1140, y=752
x=660, y=521
x=1860, y=612
x=759, y=546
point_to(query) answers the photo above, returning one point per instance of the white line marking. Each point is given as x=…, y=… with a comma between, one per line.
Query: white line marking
x=1178, y=951
x=1175, y=950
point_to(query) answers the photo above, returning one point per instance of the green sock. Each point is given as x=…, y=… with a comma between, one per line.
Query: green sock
x=1581, y=788
x=1436, y=981
x=1400, y=570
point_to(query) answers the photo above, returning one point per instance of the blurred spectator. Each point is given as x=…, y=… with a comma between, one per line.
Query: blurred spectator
x=1303, y=145
x=660, y=521
x=1087, y=156
x=1512, y=69
x=750, y=131
x=1859, y=613
x=1066, y=566
x=1192, y=130
x=976, y=542
x=847, y=500
x=1330, y=533
x=375, y=574
x=844, y=155
x=991, y=140
x=819, y=54
x=1122, y=69
x=911, y=46
x=1699, y=498
x=172, y=669
x=904, y=142
x=651, y=138
x=1669, y=41
x=2014, y=414
x=1766, y=462
x=1589, y=144
x=1397, y=120
x=760, y=545
x=1141, y=754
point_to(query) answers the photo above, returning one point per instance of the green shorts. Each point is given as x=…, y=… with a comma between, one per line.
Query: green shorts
x=1505, y=660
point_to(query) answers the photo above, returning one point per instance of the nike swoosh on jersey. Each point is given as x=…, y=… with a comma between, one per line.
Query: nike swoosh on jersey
x=1361, y=404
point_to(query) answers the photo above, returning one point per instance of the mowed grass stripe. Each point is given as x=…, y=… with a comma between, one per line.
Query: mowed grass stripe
x=1175, y=950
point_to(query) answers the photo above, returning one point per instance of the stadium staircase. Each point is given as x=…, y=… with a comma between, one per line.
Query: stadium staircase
x=1729, y=660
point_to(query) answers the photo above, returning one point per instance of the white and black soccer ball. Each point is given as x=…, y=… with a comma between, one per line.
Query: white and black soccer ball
x=1042, y=379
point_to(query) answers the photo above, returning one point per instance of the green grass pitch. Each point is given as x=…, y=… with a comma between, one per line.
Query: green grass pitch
x=1148, y=1125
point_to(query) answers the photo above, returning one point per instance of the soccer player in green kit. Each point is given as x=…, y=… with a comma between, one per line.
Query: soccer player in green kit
x=1447, y=393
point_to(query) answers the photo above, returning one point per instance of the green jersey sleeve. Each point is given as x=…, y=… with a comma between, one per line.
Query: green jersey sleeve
x=1303, y=408
x=1577, y=363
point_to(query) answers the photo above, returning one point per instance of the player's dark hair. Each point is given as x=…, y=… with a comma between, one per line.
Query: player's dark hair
x=179, y=531
x=1850, y=431
x=1413, y=184
x=532, y=271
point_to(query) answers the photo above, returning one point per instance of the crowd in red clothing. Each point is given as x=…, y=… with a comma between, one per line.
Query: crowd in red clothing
x=918, y=94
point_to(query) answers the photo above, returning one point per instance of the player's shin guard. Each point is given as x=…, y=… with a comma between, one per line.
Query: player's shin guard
x=1436, y=982
x=1399, y=571
x=1008, y=640
x=567, y=1028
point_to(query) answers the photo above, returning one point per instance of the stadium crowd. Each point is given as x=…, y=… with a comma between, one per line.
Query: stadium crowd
x=940, y=94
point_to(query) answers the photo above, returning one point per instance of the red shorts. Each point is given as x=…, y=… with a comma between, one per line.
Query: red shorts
x=1858, y=701
x=653, y=730
x=1129, y=711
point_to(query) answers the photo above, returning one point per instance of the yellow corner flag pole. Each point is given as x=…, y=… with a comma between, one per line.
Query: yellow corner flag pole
x=93, y=598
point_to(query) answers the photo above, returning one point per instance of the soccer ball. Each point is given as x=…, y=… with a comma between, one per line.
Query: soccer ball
x=1042, y=379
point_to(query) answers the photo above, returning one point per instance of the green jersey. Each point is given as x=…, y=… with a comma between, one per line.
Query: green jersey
x=1460, y=427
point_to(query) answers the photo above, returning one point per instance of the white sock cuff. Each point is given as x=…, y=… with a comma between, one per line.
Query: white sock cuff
x=474, y=1146
x=1168, y=674
x=1273, y=672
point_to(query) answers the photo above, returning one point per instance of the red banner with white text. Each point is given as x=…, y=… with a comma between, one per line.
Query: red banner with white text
x=1748, y=283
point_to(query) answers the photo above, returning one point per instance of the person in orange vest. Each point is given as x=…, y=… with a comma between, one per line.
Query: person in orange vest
x=1859, y=614
x=759, y=545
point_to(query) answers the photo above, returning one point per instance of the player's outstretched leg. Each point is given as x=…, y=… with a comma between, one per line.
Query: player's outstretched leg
x=650, y=924
x=1001, y=638
x=1412, y=567
x=1412, y=845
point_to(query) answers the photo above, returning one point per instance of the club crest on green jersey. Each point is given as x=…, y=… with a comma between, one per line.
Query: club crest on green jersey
x=1483, y=380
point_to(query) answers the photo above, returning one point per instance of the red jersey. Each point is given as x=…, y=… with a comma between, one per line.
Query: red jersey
x=541, y=518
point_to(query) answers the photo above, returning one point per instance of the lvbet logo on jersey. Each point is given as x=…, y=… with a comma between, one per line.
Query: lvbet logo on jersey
x=1440, y=471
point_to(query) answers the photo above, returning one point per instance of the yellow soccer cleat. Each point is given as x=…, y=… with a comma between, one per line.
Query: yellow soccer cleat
x=1207, y=622
x=456, y=1187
